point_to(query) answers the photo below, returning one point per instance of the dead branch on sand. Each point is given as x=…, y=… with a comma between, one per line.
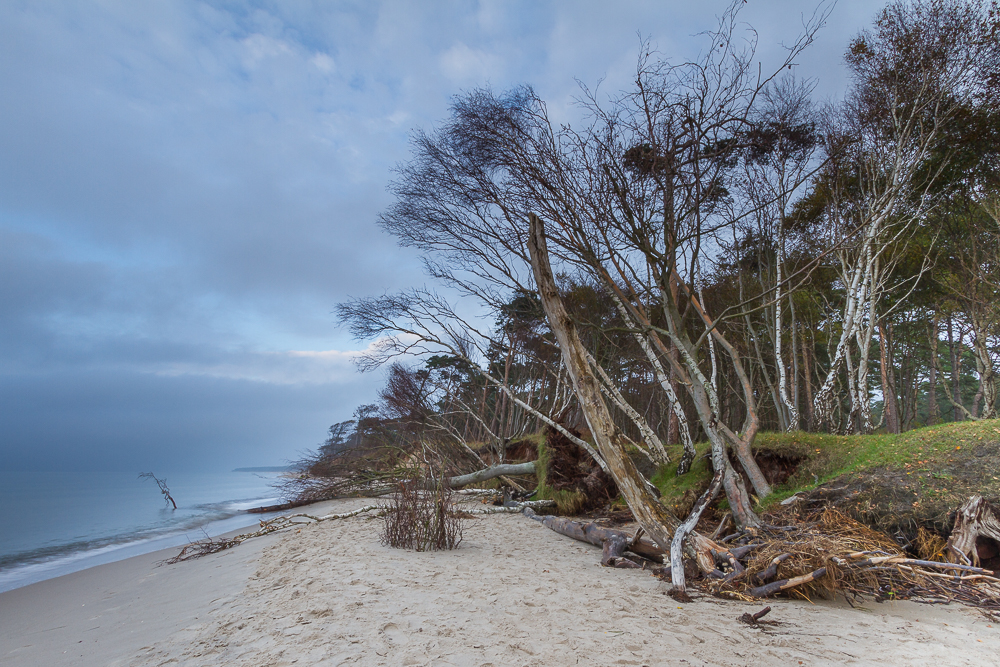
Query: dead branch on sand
x=212, y=545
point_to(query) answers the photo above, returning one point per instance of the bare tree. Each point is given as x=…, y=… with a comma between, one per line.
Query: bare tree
x=633, y=200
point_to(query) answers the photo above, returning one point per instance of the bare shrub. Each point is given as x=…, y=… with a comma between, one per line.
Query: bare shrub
x=421, y=520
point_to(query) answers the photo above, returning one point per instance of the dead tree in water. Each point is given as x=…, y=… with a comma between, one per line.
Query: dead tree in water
x=162, y=483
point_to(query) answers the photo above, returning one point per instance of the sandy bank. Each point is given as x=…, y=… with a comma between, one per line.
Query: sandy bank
x=515, y=593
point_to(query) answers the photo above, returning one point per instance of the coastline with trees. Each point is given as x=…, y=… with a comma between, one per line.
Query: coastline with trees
x=702, y=370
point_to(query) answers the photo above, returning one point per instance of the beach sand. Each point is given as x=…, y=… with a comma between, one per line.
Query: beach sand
x=514, y=593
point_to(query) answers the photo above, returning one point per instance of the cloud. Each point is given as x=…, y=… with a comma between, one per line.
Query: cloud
x=188, y=189
x=464, y=65
x=324, y=63
x=295, y=367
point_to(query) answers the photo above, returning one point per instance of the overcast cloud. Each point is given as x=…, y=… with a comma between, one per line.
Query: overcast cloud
x=188, y=188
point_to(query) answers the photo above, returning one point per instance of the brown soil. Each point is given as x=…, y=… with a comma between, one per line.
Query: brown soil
x=902, y=500
x=521, y=450
x=570, y=468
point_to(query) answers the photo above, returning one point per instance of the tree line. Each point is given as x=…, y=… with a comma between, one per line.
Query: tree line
x=730, y=255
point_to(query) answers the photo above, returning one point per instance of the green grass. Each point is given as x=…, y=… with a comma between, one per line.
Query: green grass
x=934, y=458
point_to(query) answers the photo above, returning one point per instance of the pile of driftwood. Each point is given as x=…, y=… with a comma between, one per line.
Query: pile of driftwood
x=826, y=554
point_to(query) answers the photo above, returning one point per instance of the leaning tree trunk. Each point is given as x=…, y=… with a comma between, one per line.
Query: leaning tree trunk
x=658, y=523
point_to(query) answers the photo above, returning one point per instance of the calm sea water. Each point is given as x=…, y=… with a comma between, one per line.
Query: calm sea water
x=54, y=523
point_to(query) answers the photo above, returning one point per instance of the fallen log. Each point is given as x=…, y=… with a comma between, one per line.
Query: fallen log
x=281, y=507
x=613, y=542
x=491, y=473
x=514, y=508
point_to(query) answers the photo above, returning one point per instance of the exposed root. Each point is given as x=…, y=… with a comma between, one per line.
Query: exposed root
x=835, y=554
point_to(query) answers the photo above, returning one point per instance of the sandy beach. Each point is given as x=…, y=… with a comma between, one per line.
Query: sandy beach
x=514, y=593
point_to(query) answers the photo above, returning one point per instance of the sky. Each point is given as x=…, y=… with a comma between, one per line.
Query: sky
x=187, y=190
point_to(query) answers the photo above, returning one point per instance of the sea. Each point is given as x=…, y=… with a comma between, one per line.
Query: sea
x=55, y=523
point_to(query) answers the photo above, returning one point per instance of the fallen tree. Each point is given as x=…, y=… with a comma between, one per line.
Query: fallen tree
x=492, y=472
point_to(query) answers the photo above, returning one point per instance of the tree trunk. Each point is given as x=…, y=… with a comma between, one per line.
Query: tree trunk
x=491, y=473
x=975, y=538
x=985, y=368
x=654, y=450
x=933, y=415
x=651, y=515
x=679, y=591
x=956, y=370
x=673, y=420
x=807, y=382
x=890, y=405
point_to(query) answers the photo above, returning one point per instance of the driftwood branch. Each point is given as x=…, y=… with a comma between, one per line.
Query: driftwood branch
x=211, y=546
x=768, y=590
x=753, y=619
x=613, y=542
x=162, y=483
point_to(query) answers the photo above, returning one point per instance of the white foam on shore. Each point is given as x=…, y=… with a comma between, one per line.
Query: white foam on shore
x=32, y=572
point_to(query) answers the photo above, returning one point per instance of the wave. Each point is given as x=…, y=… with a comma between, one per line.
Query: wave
x=208, y=520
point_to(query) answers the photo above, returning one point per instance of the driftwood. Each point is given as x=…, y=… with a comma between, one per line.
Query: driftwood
x=771, y=572
x=806, y=551
x=613, y=542
x=975, y=538
x=754, y=619
x=211, y=545
x=162, y=483
x=773, y=588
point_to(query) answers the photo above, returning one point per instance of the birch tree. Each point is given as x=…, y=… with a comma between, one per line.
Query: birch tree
x=912, y=72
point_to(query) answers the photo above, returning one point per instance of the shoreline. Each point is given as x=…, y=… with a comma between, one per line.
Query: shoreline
x=31, y=572
x=104, y=614
x=514, y=593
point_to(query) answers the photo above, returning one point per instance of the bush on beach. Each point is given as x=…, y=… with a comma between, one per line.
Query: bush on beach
x=421, y=520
